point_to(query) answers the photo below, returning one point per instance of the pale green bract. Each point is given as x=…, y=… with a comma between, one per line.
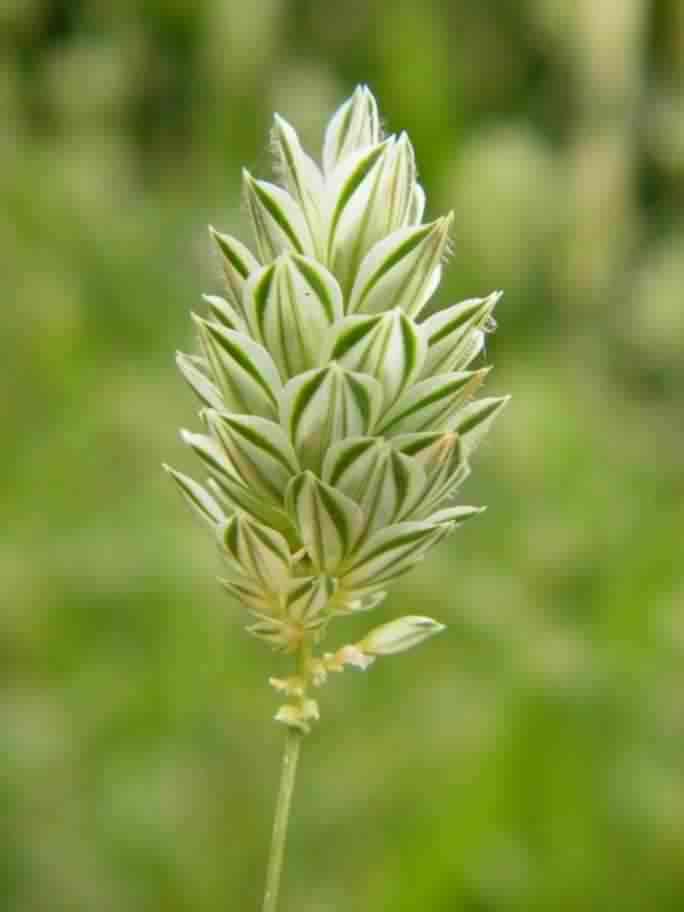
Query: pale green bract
x=338, y=422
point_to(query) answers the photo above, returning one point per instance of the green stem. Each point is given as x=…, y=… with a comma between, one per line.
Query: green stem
x=288, y=774
x=282, y=814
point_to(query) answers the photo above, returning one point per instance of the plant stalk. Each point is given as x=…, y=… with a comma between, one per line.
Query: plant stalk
x=287, y=780
x=288, y=774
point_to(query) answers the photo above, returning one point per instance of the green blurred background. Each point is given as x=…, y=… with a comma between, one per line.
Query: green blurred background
x=532, y=758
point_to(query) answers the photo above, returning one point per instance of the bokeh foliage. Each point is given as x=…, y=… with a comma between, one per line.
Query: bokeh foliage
x=532, y=758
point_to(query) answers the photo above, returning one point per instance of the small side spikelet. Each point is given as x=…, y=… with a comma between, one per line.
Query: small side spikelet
x=339, y=422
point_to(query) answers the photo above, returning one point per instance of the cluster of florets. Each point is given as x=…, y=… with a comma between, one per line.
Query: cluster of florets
x=338, y=426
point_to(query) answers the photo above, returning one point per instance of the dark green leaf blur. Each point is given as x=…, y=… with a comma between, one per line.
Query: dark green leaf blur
x=531, y=758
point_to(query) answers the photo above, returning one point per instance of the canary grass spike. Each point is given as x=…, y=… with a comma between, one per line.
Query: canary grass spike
x=339, y=419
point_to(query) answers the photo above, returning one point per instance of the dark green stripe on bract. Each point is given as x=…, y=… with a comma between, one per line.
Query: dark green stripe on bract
x=387, y=571
x=316, y=530
x=354, y=334
x=294, y=493
x=206, y=456
x=301, y=590
x=461, y=319
x=344, y=129
x=292, y=338
x=397, y=255
x=480, y=415
x=337, y=516
x=197, y=379
x=312, y=276
x=277, y=215
x=402, y=543
x=354, y=180
x=257, y=440
x=231, y=536
x=351, y=454
x=292, y=166
x=408, y=338
x=221, y=316
x=261, y=294
x=188, y=490
x=305, y=395
x=400, y=477
x=442, y=393
x=262, y=536
x=250, y=553
x=361, y=398
x=232, y=256
x=237, y=354
x=425, y=442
